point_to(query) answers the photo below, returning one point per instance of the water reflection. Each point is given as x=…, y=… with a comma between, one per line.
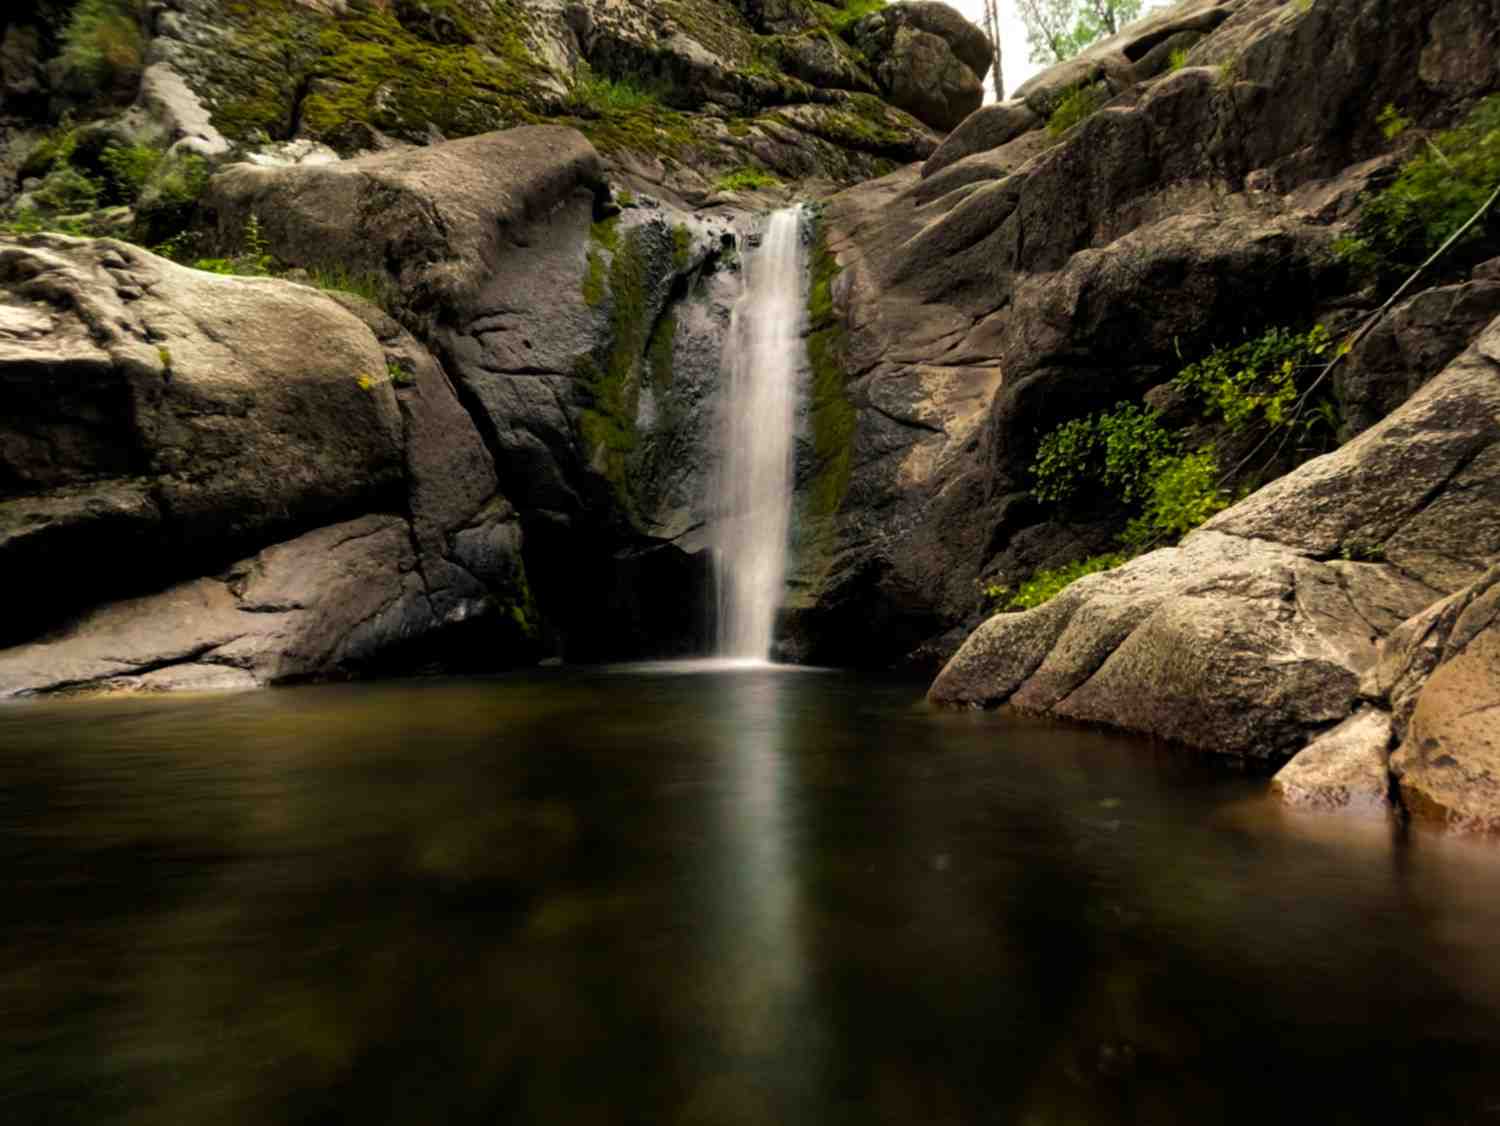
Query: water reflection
x=740, y=896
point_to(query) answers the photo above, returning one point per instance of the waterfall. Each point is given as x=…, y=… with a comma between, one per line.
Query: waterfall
x=763, y=356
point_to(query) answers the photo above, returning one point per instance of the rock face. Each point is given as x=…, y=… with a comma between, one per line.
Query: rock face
x=1442, y=675
x=1349, y=768
x=1057, y=274
x=160, y=422
x=583, y=337
x=1254, y=634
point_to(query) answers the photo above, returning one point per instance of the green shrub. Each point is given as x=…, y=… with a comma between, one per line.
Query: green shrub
x=1077, y=104
x=599, y=94
x=1117, y=449
x=1436, y=192
x=128, y=169
x=748, y=178
x=1045, y=585
x=1392, y=122
x=102, y=45
x=167, y=203
x=1185, y=492
x=377, y=289
x=67, y=190
x=1256, y=381
x=840, y=17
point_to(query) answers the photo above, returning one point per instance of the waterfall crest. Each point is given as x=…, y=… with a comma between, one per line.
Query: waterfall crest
x=763, y=356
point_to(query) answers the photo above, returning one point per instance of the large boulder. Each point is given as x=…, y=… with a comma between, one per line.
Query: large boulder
x=1256, y=632
x=1347, y=769
x=582, y=333
x=928, y=59
x=164, y=419
x=161, y=422
x=1442, y=672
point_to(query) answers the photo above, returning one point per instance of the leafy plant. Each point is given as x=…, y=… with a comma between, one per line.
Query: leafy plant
x=128, y=169
x=1255, y=381
x=67, y=189
x=600, y=94
x=1435, y=194
x=1177, y=59
x=1392, y=122
x=102, y=44
x=1118, y=449
x=1076, y=105
x=1185, y=492
x=1046, y=585
x=1059, y=29
x=748, y=178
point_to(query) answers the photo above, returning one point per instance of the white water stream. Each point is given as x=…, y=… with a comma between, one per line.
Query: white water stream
x=763, y=357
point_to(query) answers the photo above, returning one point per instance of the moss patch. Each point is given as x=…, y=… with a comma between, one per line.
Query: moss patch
x=613, y=381
x=831, y=413
x=462, y=68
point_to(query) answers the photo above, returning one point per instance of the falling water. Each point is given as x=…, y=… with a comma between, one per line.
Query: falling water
x=763, y=356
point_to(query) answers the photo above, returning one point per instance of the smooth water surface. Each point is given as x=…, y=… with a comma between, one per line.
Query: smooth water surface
x=736, y=896
x=764, y=356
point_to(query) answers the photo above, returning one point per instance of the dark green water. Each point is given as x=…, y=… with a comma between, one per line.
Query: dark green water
x=754, y=897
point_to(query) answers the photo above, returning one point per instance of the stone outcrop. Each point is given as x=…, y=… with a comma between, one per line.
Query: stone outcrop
x=1058, y=274
x=1440, y=673
x=162, y=422
x=583, y=335
x=1258, y=632
x=931, y=61
x=1347, y=769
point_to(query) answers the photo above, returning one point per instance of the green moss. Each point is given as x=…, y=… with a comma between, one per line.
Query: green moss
x=1046, y=585
x=1076, y=105
x=463, y=68
x=682, y=248
x=613, y=381
x=748, y=178
x=660, y=351
x=831, y=414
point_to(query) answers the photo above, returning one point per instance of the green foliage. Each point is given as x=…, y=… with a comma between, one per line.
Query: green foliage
x=169, y=200
x=1436, y=192
x=252, y=260
x=1076, y=105
x=1046, y=585
x=1257, y=381
x=102, y=45
x=129, y=169
x=682, y=247
x=839, y=17
x=600, y=94
x=56, y=147
x=831, y=414
x=1119, y=449
x=1177, y=60
x=1060, y=29
x=68, y=190
x=1185, y=492
x=377, y=289
x=1392, y=122
x=30, y=221
x=399, y=375
x=747, y=179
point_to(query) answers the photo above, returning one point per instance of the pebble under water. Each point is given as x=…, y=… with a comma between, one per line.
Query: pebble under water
x=739, y=896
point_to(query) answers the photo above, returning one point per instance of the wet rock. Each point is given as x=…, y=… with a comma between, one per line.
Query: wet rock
x=1443, y=671
x=1346, y=769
